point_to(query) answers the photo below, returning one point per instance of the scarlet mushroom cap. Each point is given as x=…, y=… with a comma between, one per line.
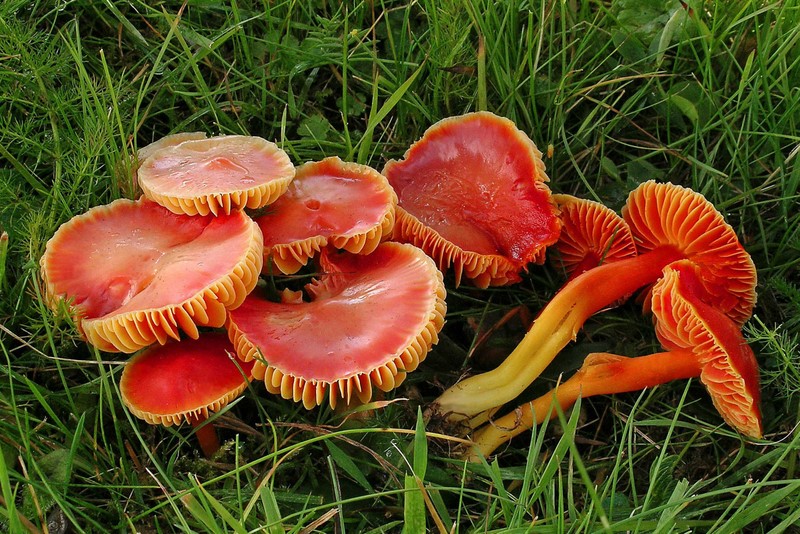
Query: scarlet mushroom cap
x=184, y=381
x=348, y=205
x=591, y=234
x=730, y=370
x=671, y=223
x=215, y=175
x=472, y=194
x=372, y=318
x=135, y=273
x=664, y=216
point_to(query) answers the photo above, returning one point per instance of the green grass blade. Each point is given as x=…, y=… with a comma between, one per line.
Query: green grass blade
x=346, y=463
x=376, y=116
x=414, y=501
x=9, y=498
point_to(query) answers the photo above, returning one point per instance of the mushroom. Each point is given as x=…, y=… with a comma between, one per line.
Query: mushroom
x=670, y=223
x=472, y=194
x=215, y=175
x=184, y=381
x=591, y=234
x=372, y=318
x=703, y=342
x=348, y=205
x=135, y=273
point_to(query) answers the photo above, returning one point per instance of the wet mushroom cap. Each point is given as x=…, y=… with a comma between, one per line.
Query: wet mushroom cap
x=136, y=273
x=167, y=141
x=472, y=194
x=664, y=215
x=372, y=318
x=730, y=370
x=182, y=381
x=347, y=205
x=215, y=175
x=591, y=234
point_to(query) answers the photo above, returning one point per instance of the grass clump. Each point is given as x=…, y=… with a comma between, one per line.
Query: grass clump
x=698, y=93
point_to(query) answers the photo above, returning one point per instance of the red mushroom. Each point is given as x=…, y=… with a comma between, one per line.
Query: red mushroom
x=215, y=175
x=670, y=223
x=348, y=205
x=372, y=318
x=136, y=273
x=591, y=234
x=472, y=194
x=703, y=342
x=184, y=381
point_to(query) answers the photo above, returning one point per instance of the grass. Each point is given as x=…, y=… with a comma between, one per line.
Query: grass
x=705, y=95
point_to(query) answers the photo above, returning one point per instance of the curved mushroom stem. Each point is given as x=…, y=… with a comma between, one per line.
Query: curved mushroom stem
x=206, y=435
x=556, y=326
x=601, y=374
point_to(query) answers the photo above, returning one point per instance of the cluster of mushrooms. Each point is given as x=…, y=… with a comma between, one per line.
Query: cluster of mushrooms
x=175, y=278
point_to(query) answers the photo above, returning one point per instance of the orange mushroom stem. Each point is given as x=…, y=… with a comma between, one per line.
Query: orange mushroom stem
x=670, y=223
x=601, y=374
x=206, y=435
x=704, y=343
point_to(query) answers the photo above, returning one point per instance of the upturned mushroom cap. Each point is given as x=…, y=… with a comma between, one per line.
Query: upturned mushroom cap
x=136, y=273
x=472, y=195
x=372, y=318
x=215, y=175
x=167, y=141
x=347, y=205
x=663, y=215
x=730, y=370
x=591, y=234
x=183, y=381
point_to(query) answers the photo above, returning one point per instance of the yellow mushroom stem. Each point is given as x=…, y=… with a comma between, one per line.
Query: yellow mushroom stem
x=556, y=326
x=601, y=374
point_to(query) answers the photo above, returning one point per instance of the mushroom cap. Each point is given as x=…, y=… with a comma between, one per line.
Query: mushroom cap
x=472, y=194
x=348, y=205
x=166, y=141
x=591, y=234
x=667, y=215
x=183, y=381
x=372, y=318
x=730, y=370
x=136, y=273
x=215, y=175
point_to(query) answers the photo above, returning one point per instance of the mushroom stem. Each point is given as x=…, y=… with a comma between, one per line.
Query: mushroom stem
x=206, y=435
x=556, y=326
x=601, y=374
